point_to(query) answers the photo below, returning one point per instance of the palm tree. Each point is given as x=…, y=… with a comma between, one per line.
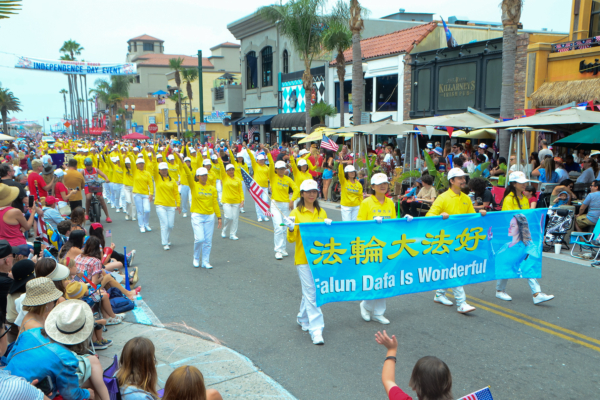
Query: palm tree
x=356, y=26
x=8, y=103
x=70, y=49
x=321, y=110
x=64, y=93
x=7, y=7
x=112, y=92
x=303, y=24
x=511, y=14
x=176, y=65
x=190, y=75
x=338, y=38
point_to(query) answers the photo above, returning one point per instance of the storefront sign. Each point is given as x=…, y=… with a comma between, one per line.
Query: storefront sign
x=76, y=67
x=249, y=111
x=456, y=88
x=585, y=68
x=216, y=117
x=152, y=120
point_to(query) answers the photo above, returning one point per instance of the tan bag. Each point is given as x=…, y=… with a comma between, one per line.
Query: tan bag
x=65, y=210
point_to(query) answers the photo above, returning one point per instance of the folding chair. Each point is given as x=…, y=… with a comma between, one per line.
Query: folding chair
x=498, y=193
x=587, y=241
x=558, y=223
x=112, y=384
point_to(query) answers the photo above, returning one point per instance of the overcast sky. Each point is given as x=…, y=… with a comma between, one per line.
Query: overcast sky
x=103, y=28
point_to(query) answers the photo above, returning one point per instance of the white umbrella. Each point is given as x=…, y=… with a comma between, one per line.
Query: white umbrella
x=6, y=137
x=469, y=119
x=572, y=120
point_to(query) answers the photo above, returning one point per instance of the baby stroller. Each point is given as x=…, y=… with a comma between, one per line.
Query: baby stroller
x=558, y=223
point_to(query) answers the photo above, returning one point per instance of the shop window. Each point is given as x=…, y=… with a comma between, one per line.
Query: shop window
x=267, y=66
x=251, y=73
x=387, y=93
x=347, y=96
x=423, y=89
x=595, y=22
x=148, y=46
x=493, y=83
x=286, y=67
x=135, y=47
x=369, y=94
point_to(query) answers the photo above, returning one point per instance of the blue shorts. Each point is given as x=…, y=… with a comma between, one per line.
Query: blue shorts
x=327, y=174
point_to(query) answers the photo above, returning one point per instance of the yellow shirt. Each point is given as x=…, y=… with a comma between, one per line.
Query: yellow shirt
x=205, y=199
x=212, y=177
x=512, y=203
x=183, y=176
x=371, y=208
x=142, y=180
x=238, y=166
x=167, y=192
x=233, y=192
x=280, y=186
x=352, y=193
x=173, y=169
x=295, y=236
x=261, y=172
x=127, y=175
x=300, y=176
x=117, y=172
x=451, y=203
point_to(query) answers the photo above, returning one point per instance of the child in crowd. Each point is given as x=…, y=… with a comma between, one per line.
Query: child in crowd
x=430, y=379
x=361, y=177
x=561, y=200
x=530, y=194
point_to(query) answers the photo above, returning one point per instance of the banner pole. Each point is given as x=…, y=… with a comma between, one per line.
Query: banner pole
x=127, y=286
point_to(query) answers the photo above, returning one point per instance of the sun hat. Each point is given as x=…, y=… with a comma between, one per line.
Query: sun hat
x=59, y=173
x=192, y=150
x=302, y=163
x=8, y=194
x=49, y=169
x=214, y=156
x=22, y=271
x=279, y=164
x=70, y=322
x=40, y=291
x=140, y=155
x=517, y=176
x=378, y=179
x=59, y=273
x=456, y=172
x=163, y=165
x=303, y=152
x=187, y=159
x=201, y=171
x=261, y=157
x=75, y=290
x=114, y=159
x=206, y=162
x=51, y=200
x=594, y=153
x=438, y=151
x=308, y=185
x=140, y=161
x=430, y=145
x=159, y=156
x=349, y=168
x=229, y=166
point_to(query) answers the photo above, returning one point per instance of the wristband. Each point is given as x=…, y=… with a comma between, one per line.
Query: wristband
x=390, y=358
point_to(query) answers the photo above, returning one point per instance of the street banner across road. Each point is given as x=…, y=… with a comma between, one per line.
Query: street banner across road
x=364, y=260
x=76, y=67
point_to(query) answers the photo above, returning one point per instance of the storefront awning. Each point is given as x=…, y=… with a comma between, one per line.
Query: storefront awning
x=264, y=120
x=552, y=94
x=235, y=121
x=291, y=122
x=246, y=121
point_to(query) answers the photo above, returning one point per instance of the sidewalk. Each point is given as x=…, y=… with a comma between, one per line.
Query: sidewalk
x=232, y=374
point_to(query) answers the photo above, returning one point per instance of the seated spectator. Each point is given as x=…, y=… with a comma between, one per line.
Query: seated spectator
x=64, y=228
x=546, y=171
x=479, y=161
x=51, y=215
x=40, y=298
x=592, y=204
x=425, y=197
x=187, y=382
x=561, y=200
x=96, y=229
x=531, y=195
x=430, y=378
x=73, y=247
x=137, y=374
x=78, y=219
x=560, y=169
x=16, y=388
x=408, y=198
x=590, y=171
x=571, y=165
x=22, y=272
x=79, y=291
x=484, y=200
x=12, y=220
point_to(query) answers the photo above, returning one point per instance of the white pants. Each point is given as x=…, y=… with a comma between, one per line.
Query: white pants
x=220, y=189
x=166, y=216
x=116, y=194
x=106, y=191
x=533, y=285
x=129, y=203
x=203, y=226
x=375, y=307
x=185, y=198
x=122, y=200
x=142, y=205
x=349, y=213
x=265, y=197
x=245, y=192
x=280, y=231
x=309, y=314
x=232, y=216
x=459, y=294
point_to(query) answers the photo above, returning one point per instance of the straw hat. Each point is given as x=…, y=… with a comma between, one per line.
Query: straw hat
x=40, y=291
x=8, y=194
x=75, y=290
x=71, y=322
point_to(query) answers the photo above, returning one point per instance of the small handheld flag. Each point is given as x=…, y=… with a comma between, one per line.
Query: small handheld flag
x=483, y=394
x=329, y=144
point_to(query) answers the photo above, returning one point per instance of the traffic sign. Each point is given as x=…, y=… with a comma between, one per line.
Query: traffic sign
x=203, y=127
x=67, y=124
x=153, y=128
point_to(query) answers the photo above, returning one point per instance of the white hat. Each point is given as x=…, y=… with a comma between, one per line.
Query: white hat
x=140, y=155
x=78, y=144
x=58, y=172
x=79, y=150
x=214, y=156
x=430, y=145
x=159, y=155
x=122, y=148
x=204, y=153
x=303, y=152
x=302, y=163
x=187, y=159
x=308, y=184
x=206, y=162
x=201, y=171
x=378, y=179
x=161, y=148
x=279, y=164
x=261, y=157
x=140, y=161
x=60, y=273
x=229, y=166
x=482, y=146
x=593, y=153
x=349, y=168
x=127, y=161
x=163, y=165
x=454, y=172
x=136, y=149
x=150, y=155
x=114, y=159
x=192, y=150
x=70, y=322
x=170, y=157
x=517, y=176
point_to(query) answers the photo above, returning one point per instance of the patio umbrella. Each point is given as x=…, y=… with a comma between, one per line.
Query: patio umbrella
x=226, y=75
x=299, y=135
x=476, y=134
x=386, y=127
x=587, y=139
x=6, y=137
x=570, y=120
x=159, y=93
x=317, y=134
x=470, y=119
x=135, y=136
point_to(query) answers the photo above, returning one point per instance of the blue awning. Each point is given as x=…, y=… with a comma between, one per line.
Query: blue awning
x=246, y=121
x=159, y=93
x=264, y=120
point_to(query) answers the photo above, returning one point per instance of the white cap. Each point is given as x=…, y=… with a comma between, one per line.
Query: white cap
x=308, y=184
x=163, y=165
x=127, y=161
x=58, y=172
x=206, y=162
x=122, y=148
x=593, y=153
x=79, y=150
x=192, y=150
x=170, y=157
x=229, y=166
x=187, y=159
x=482, y=146
x=201, y=171
x=149, y=155
x=454, y=172
x=114, y=159
x=349, y=168
x=159, y=156
x=214, y=156
x=430, y=145
x=136, y=149
x=140, y=161
x=261, y=157
x=279, y=164
x=378, y=179
x=79, y=144
x=517, y=176
x=140, y=155
x=161, y=148
x=303, y=152
x=302, y=163
x=204, y=153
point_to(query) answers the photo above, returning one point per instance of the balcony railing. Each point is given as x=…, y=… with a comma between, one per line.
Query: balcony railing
x=576, y=45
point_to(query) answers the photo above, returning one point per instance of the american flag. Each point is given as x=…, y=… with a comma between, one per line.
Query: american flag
x=328, y=144
x=41, y=230
x=483, y=394
x=256, y=193
x=252, y=130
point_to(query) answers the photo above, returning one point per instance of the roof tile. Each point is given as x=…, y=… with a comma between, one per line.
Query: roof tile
x=163, y=60
x=145, y=37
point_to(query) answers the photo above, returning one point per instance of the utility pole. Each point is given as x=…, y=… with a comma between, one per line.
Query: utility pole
x=201, y=95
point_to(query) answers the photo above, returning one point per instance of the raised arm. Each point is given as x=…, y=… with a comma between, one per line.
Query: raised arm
x=294, y=166
x=271, y=166
x=341, y=175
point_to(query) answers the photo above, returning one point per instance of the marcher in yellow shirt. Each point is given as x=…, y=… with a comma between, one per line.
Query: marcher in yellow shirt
x=310, y=317
x=239, y=164
x=216, y=170
x=117, y=180
x=126, y=164
x=143, y=191
x=166, y=202
x=300, y=169
x=232, y=199
x=352, y=192
x=280, y=198
x=205, y=205
x=261, y=177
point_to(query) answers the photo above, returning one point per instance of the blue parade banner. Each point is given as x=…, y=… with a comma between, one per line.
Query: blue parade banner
x=364, y=260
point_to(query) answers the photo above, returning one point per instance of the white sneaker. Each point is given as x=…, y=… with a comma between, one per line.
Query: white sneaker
x=223, y=235
x=317, y=338
x=381, y=319
x=304, y=327
x=207, y=266
x=234, y=238
x=442, y=299
x=284, y=253
x=166, y=247
x=134, y=219
x=184, y=215
x=465, y=308
x=278, y=256
x=148, y=228
x=126, y=217
x=142, y=229
x=118, y=210
x=503, y=296
x=259, y=219
x=542, y=297
x=112, y=206
x=196, y=263
x=242, y=210
x=266, y=219
x=364, y=313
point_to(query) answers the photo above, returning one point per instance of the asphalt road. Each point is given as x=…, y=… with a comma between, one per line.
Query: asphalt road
x=249, y=301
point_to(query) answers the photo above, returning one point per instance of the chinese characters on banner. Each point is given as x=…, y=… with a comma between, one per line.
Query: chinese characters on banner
x=364, y=260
